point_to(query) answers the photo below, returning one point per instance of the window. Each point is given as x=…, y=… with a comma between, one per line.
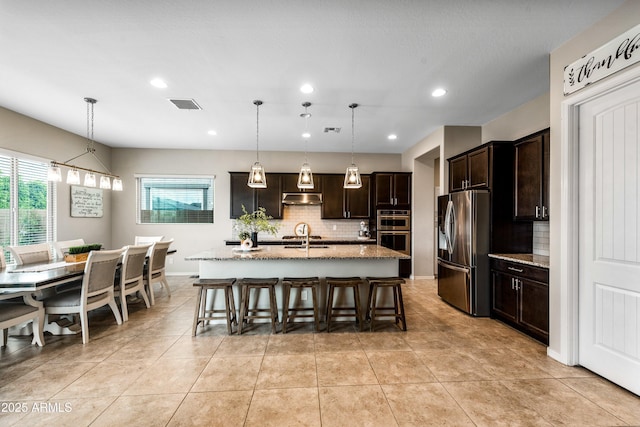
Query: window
x=27, y=202
x=175, y=200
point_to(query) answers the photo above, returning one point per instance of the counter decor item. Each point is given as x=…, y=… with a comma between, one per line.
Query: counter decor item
x=249, y=224
x=80, y=253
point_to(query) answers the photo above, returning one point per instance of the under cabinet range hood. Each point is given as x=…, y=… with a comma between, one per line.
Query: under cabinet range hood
x=301, y=198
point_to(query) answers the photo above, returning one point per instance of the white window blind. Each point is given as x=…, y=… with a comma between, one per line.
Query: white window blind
x=177, y=200
x=27, y=203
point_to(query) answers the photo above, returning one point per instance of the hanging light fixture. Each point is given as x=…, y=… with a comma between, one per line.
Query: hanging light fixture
x=257, y=176
x=305, y=178
x=73, y=175
x=352, y=176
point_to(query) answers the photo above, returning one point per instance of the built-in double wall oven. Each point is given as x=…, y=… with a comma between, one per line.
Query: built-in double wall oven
x=393, y=229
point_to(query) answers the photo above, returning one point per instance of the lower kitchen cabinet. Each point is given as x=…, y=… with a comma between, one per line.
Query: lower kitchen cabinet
x=520, y=297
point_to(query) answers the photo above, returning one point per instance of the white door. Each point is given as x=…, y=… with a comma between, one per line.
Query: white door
x=609, y=306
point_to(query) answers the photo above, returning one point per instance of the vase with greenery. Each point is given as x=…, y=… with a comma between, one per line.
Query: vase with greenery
x=249, y=224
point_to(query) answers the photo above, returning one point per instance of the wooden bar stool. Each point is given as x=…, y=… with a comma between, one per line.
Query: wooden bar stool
x=203, y=315
x=343, y=283
x=246, y=312
x=397, y=311
x=300, y=283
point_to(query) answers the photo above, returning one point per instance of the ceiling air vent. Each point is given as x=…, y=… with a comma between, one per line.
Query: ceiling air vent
x=331, y=130
x=185, y=104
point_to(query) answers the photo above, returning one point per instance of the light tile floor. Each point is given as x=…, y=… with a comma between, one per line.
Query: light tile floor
x=447, y=369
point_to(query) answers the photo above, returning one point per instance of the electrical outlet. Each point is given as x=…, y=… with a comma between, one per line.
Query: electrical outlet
x=303, y=295
x=170, y=260
x=335, y=227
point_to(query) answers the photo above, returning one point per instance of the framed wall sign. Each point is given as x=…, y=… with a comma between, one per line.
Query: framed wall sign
x=86, y=202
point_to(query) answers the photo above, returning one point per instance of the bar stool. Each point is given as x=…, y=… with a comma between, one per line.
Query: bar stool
x=343, y=283
x=397, y=311
x=246, y=312
x=203, y=315
x=301, y=283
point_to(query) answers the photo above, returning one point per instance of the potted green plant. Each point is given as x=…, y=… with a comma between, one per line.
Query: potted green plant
x=80, y=253
x=249, y=224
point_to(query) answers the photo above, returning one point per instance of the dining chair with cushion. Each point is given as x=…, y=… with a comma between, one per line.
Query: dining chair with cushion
x=27, y=254
x=97, y=290
x=155, y=271
x=141, y=240
x=63, y=246
x=130, y=277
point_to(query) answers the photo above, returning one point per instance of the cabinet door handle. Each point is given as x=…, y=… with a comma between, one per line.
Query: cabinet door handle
x=518, y=282
x=512, y=284
x=537, y=211
x=544, y=212
x=517, y=270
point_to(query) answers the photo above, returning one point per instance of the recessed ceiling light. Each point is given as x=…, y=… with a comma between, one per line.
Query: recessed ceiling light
x=438, y=92
x=306, y=88
x=212, y=133
x=306, y=135
x=159, y=83
x=392, y=137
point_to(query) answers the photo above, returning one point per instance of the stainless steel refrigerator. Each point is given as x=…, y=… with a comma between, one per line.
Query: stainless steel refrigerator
x=464, y=230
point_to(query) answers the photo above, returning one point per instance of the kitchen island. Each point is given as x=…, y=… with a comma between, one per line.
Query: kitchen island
x=282, y=261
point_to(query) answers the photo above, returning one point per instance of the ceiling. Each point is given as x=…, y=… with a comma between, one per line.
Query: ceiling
x=387, y=56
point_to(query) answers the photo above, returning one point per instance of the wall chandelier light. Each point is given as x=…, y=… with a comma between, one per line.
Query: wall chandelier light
x=352, y=176
x=305, y=178
x=257, y=176
x=73, y=174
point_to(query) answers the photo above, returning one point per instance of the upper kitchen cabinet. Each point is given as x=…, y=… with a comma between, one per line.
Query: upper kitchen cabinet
x=269, y=198
x=392, y=190
x=532, y=177
x=341, y=203
x=469, y=170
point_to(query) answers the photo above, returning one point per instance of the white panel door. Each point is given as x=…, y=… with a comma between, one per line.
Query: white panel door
x=609, y=218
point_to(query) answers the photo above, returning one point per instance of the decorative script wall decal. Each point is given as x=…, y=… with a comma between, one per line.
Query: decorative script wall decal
x=619, y=53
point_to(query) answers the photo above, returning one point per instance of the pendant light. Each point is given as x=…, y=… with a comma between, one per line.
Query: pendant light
x=73, y=175
x=257, y=176
x=305, y=178
x=352, y=176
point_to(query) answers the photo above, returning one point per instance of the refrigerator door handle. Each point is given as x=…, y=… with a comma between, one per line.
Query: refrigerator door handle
x=452, y=227
x=447, y=227
x=454, y=267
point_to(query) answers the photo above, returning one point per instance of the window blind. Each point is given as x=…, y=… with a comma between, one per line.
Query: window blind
x=166, y=199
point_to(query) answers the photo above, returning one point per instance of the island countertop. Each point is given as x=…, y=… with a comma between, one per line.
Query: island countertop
x=276, y=252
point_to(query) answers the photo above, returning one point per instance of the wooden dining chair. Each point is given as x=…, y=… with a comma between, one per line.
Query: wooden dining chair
x=130, y=278
x=155, y=271
x=27, y=254
x=97, y=290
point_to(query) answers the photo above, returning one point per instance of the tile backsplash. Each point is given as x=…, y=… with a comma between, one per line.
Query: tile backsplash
x=328, y=229
x=541, y=238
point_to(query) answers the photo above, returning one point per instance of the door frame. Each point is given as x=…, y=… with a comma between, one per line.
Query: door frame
x=569, y=263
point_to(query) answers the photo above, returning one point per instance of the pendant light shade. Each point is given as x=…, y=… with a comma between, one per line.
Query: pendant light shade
x=54, y=174
x=305, y=177
x=117, y=184
x=352, y=176
x=105, y=182
x=73, y=177
x=89, y=179
x=257, y=176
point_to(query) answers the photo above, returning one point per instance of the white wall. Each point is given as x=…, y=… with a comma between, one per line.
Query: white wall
x=21, y=134
x=625, y=17
x=192, y=238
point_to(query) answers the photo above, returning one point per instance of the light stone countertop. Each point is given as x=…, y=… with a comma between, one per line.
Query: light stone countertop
x=530, y=259
x=278, y=252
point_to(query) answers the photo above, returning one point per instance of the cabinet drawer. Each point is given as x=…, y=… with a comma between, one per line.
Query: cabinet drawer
x=522, y=270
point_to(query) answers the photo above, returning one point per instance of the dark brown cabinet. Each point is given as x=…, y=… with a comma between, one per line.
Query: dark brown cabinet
x=532, y=177
x=392, y=190
x=341, y=203
x=269, y=198
x=521, y=297
x=469, y=170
